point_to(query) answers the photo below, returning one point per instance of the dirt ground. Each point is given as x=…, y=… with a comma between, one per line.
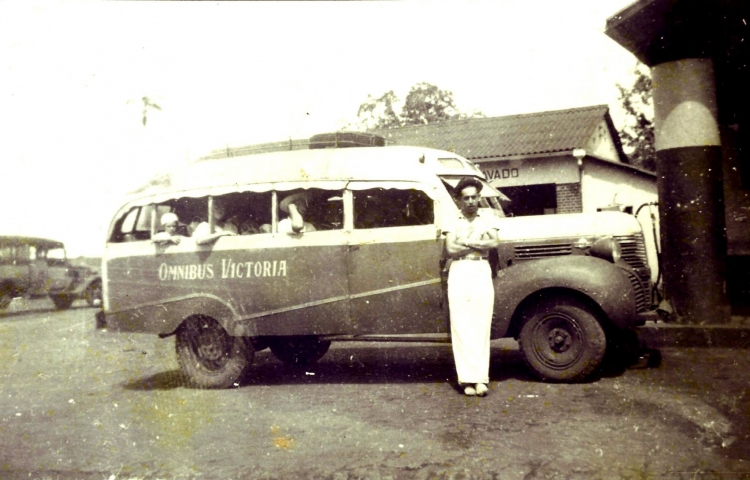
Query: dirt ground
x=77, y=403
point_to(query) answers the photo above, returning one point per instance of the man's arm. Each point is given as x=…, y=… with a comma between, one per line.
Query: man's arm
x=202, y=237
x=483, y=245
x=298, y=223
x=165, y=237
x=456, y=247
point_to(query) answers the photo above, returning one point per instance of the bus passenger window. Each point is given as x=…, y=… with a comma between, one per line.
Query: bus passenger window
x=247, y=212
x=383, y=208
x=314, y=209
x=125, y=227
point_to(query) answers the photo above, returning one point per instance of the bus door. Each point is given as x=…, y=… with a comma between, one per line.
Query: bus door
x=394, y=260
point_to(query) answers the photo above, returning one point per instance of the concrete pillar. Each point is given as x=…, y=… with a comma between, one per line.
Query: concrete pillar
x=691, y=198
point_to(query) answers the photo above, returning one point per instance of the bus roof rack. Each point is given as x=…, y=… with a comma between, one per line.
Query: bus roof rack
x=345, y=140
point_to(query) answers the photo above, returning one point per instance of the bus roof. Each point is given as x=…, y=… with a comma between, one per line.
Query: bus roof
x=397, y=163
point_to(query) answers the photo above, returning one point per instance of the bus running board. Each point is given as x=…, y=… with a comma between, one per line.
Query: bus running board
x=412, y=338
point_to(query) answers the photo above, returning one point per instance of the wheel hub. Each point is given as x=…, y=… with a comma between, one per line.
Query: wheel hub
x=210, y=346
x=559, y=340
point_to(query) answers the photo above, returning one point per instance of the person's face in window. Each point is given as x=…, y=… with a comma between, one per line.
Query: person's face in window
x=170, y=228
x=219, y=211
x=301, y=205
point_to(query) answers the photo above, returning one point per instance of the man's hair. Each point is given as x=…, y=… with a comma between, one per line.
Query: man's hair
x=467, y=182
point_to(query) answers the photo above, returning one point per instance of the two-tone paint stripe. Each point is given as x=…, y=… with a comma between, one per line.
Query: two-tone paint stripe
x=237, y=316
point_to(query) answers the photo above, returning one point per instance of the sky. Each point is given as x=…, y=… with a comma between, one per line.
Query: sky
x=73, y=75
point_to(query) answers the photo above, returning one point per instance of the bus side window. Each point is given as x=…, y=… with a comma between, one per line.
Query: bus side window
x=248, y=213
x=136, y=224
x=384, y=208
x=123, y=231
x=419, y=209
x=7, y=255
x=142, y=229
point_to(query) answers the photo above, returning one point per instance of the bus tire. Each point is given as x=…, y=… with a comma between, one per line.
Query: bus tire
x=208, y=356
x=562, y=340
x=299, y=351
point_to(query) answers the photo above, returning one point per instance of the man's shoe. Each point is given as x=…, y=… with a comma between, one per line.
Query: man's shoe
x=470, y=391
x=481, y=389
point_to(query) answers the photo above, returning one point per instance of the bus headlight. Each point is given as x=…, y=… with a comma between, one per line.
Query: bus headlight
x=606, y=248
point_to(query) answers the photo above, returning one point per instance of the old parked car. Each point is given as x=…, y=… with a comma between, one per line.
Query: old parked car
x=370, y=268
x=36, y=267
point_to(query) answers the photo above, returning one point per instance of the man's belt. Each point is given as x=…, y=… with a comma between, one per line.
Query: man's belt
x=472, y=256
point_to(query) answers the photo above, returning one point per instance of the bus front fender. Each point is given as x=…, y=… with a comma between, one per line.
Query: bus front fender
x=598, y=281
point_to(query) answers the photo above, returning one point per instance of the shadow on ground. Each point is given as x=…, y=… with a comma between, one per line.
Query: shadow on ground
x=36, y=310
x=369, y=364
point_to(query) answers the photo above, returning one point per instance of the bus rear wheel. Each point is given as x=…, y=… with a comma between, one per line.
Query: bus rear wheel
x=208, y=356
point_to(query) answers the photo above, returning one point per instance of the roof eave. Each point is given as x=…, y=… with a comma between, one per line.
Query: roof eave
x=635, y=26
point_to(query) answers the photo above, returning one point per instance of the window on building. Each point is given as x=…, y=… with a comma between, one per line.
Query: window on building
x=531, y=200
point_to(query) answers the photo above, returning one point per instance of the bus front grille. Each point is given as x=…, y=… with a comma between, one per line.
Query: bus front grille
x=527, y=252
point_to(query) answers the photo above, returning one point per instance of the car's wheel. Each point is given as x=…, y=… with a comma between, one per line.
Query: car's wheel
x=562, y=340
x=5, y=300
x=299, y=351
x=6, y=295
x=93, y=293
x=208, y=356
x=62, y=301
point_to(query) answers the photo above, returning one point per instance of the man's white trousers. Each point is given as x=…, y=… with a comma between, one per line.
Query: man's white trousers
x=471, y=298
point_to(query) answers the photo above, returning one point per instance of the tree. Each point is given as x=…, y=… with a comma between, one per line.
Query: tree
x=427, y=104
x=424, y=104
x=638, y=132
x=377, y=113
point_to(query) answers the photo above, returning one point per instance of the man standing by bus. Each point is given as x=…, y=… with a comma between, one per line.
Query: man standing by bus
x=470, y=292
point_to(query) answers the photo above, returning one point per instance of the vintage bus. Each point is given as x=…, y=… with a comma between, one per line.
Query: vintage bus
x=373, y=267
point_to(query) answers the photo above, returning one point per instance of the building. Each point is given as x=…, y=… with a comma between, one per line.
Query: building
x=697, y=52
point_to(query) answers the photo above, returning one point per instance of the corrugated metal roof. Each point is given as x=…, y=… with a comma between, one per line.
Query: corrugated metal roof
x=512, y=135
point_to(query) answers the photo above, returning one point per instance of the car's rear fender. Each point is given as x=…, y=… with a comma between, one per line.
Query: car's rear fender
x=601, y=284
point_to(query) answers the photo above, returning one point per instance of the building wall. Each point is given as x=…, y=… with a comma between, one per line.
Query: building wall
x=532, y=171
x=602, y=186
x=569, y=198
x=601, y=144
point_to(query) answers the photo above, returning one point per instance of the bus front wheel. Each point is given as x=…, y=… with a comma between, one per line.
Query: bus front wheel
x=562, y=340
x=208, y=356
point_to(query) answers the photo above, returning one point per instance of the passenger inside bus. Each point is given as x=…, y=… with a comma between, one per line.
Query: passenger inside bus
x=222, y=226
x=170, y=235
x=295, y=206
